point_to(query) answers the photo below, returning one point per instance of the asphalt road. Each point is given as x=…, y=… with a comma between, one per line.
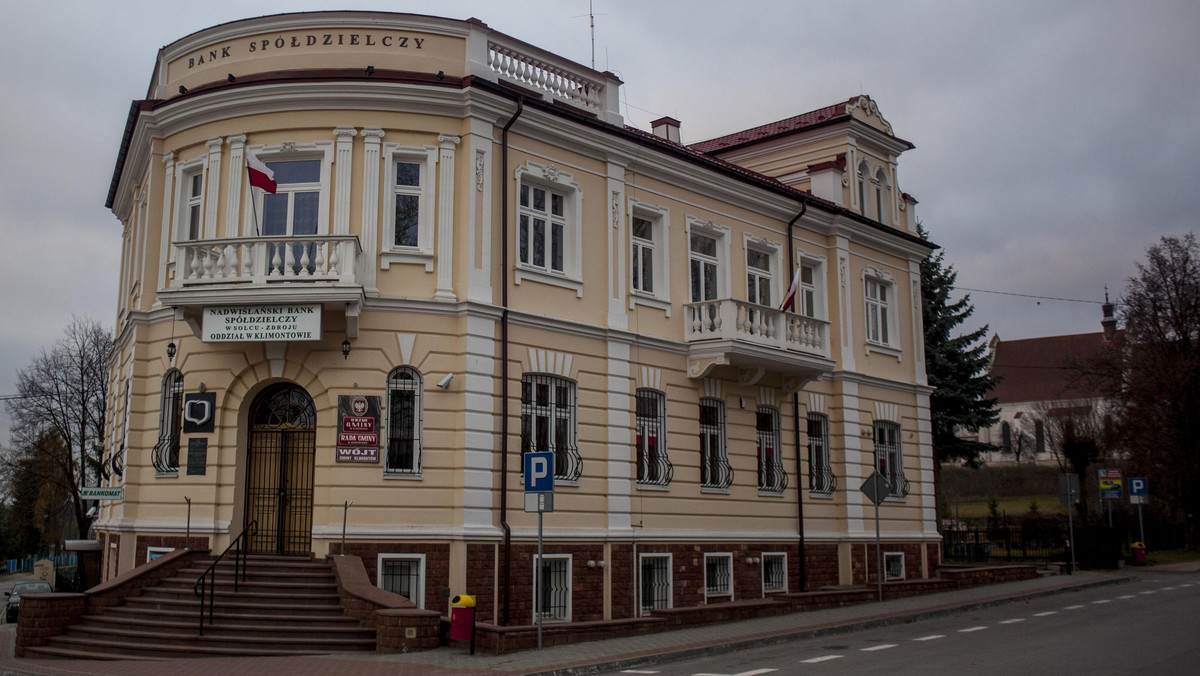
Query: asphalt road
x=1149, y=626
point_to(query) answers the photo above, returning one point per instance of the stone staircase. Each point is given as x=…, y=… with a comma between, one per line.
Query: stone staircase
x=286, y=606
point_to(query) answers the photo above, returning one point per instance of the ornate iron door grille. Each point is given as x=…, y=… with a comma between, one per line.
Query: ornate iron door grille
x=279, y=482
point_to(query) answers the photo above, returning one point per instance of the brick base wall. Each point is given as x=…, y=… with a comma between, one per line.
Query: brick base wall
x=437, y=563
x=822, y=563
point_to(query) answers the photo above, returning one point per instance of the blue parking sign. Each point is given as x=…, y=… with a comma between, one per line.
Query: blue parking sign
x=1138, y=486
x=539, y=472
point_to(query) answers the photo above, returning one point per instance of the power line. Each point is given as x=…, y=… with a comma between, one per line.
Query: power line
x=1027, y=295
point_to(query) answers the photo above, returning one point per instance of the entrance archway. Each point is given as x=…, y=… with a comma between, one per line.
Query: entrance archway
x=279, y=477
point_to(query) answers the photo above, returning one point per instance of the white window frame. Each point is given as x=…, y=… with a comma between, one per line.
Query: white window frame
x=643, y=426
x=426, y=158
x=880, y=312
x=882, y=197
x=818, y=448
x=161, y=551
x=720, y=233
x=721, y=454
x=888, y=559
x=864, y=170
x=772, y=251
x=670, y=580
x=552, y=180
x=763, y=559
x=660, y=223
x=419, y=558
x=569, y=559
x=816, y=307
x=724, y=594
x=184, y=201
x=292, y=152
x=418, y=421
x=892, y=454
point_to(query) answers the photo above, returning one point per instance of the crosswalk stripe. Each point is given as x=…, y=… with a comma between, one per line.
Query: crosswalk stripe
x=884, y=646
x=822, y=658
x=930, y=638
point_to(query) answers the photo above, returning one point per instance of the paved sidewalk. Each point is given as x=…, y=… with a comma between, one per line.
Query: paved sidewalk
x=590, y=657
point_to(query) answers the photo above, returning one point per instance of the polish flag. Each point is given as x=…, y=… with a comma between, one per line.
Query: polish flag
x=789, y=301
x=261, y=175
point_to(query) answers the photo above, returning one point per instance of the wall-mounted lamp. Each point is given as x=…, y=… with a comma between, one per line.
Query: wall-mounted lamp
x=231, y=78
x=441, y=75
x=182, y=89
x=346, y=349
x=171, y=350
x=444, y=383
x=595, y=564
x=370, y=70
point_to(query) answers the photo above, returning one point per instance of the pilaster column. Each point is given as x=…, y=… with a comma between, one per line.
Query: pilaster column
x=372, y=139
x=343, y=156
x=212, y=184
x=167, y=231
x=237, y=173
x=445, y=219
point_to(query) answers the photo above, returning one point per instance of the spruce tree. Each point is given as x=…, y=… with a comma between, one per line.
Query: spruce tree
x=957, y=365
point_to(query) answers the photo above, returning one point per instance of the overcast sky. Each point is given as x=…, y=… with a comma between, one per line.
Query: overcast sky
x=1055, y=141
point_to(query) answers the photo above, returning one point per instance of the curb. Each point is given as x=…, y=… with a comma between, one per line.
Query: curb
x=631, y=662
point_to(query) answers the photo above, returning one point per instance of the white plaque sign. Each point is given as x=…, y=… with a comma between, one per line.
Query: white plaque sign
x=258, y=323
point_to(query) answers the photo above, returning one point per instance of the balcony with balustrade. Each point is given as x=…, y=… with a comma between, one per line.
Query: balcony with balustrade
x=325, y=269
x=755, y=339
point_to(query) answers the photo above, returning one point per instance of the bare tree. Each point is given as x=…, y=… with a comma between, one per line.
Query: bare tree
x=58, y=415
x=1153, y=374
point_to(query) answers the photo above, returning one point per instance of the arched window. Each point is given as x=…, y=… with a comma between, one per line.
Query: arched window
x=863, y=171
x=170, y=423
x=882, y=198
x=653, y=467
x=1006, y=437
x=548, y=422
x=404, y=389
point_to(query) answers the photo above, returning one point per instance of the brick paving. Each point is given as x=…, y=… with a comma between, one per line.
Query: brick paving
x=590, y=657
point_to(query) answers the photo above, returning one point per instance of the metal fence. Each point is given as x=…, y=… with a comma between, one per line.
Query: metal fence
x=21, y=565
x=1008, y=544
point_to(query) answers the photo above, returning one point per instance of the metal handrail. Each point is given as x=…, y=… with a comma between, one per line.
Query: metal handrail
x=239, y=567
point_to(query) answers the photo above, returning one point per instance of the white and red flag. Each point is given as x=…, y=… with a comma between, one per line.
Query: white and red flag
x=789, y=301
x=261, y=175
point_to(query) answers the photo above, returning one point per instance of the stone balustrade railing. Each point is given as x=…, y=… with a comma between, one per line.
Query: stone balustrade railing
x=265, y=260
x=729, y=319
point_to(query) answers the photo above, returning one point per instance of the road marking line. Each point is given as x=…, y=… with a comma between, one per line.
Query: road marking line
x=1148, y=591
x=1048, y=613
x=1102, y=601
x=823, y=658
x=635, y=671
x=1186, y=585
x=884, y=646
x=933, y=637
x=1126, y=596
x=1166, y=589
x=1013, y=621
x=1075, y=607
x=968, y=630
x=755, y=672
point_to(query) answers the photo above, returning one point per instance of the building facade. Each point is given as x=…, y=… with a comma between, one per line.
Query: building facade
x=467, y=257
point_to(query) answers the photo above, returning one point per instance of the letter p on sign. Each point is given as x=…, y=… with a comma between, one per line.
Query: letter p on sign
x=539, y=472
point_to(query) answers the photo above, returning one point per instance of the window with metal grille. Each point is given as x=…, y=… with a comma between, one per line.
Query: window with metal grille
x=554, y=594
x=170, y=423
x=774, y=572
x=715, y=471
x=653, y=467
x=718, y=576
x=403, y=574
x=404, y=386
x=820, y=470
x=771, y=476
x=548, y=422
x=655, y=579
x=888, y=456
x=893, y=565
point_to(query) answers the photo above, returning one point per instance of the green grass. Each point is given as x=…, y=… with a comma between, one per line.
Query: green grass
x=1014, y=506
x=1172, y=556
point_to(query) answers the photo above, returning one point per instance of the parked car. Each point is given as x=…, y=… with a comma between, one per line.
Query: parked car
x=14, y=597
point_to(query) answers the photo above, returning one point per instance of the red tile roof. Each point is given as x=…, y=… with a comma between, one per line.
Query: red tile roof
x=1040, y=369
x=791, y=124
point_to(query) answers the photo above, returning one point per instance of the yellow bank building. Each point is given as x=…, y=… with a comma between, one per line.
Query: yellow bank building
x=468, y=256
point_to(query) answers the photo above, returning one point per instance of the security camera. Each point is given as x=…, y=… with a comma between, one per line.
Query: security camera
x=92, y=512
x=445, y=381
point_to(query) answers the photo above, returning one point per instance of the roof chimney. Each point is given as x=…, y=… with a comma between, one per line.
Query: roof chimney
x=1110, y=320
x=666, y=127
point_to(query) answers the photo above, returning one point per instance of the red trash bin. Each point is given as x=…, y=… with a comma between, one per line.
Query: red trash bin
x=1139, y=554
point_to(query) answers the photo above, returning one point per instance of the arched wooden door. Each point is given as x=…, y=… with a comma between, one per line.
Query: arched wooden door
x=279, y=476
